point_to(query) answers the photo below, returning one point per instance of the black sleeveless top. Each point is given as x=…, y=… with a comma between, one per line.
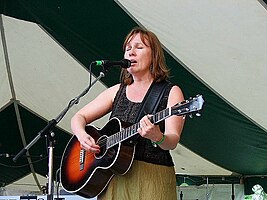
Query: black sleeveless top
x=126, y=111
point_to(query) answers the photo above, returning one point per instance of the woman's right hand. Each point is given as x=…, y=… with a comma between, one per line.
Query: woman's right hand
x=88, y=143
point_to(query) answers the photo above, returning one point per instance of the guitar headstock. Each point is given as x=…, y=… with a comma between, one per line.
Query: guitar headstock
x=190, y=106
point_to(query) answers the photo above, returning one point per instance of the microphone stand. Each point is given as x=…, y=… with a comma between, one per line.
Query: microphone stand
x=47, y=131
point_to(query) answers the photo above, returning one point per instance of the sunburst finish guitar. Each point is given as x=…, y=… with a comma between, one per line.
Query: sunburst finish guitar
x=87, y=174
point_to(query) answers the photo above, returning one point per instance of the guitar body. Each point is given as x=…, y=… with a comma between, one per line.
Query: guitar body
x=87, y=174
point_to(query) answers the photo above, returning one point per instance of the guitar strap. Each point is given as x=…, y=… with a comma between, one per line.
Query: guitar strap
x=152, y=99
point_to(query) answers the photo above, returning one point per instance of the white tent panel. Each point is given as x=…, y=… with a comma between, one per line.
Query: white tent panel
x=24, y=185
x=224, y=45
x=189, y=163
x=5, y=92
x=212, y=192
x=45, y=76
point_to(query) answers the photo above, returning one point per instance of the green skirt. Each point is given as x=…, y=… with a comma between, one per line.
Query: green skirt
x=144, y=181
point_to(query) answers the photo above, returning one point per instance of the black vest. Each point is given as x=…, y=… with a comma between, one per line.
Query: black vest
x=126, y=111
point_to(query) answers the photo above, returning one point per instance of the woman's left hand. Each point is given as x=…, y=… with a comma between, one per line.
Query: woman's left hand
x=149, y=130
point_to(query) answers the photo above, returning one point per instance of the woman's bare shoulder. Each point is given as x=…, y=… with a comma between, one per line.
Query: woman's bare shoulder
x=111, y=91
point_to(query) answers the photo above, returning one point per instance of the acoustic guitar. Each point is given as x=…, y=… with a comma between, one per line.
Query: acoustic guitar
x=88, y=174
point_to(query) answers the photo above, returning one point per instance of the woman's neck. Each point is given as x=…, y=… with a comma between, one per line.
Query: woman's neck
x=144, y=80
x=138, y=89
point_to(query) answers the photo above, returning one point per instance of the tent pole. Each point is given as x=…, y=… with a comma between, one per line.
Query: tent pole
x=207, y=192
x=233, y=191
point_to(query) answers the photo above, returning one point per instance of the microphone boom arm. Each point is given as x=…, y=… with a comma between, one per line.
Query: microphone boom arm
x=48, y=131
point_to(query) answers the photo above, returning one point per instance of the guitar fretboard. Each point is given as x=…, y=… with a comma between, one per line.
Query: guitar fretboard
x=127, y=133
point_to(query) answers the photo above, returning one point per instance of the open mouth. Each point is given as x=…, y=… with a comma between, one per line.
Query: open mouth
x=133, y=61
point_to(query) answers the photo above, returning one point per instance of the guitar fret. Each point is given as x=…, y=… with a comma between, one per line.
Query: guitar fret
x=136, y=127
x=166, y=112
x=121, y=135
x=117, y=138
x=157, y=118
x=133, y=128
x=126, y=132
x=161, y=114
x=130, y=130
x=108, y=143
x=112, y=139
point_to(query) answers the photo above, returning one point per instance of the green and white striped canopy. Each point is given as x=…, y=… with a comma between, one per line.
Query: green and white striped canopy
x=214, y=48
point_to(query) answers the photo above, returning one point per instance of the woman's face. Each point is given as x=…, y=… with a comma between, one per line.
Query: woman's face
x=139, y=54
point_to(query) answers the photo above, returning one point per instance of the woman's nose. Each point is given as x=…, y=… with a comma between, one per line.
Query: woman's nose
x=132, y=52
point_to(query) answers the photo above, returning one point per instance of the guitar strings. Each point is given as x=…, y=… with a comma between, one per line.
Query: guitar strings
x=131, y=129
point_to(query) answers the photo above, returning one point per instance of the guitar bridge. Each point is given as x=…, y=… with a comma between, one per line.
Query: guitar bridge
x=82, y=158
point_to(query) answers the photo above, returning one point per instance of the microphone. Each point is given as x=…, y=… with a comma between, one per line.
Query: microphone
x=124, y=63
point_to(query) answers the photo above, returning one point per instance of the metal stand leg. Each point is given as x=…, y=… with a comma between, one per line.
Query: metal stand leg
x=50, y=167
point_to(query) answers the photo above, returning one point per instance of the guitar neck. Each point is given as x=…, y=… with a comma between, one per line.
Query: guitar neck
x=127, y=133
x=183, y=108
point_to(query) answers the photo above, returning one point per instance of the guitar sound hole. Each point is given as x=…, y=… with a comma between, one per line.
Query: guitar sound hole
x=102, y=142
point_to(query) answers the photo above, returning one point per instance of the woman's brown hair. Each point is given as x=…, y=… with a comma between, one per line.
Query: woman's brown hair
x=159, y=69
